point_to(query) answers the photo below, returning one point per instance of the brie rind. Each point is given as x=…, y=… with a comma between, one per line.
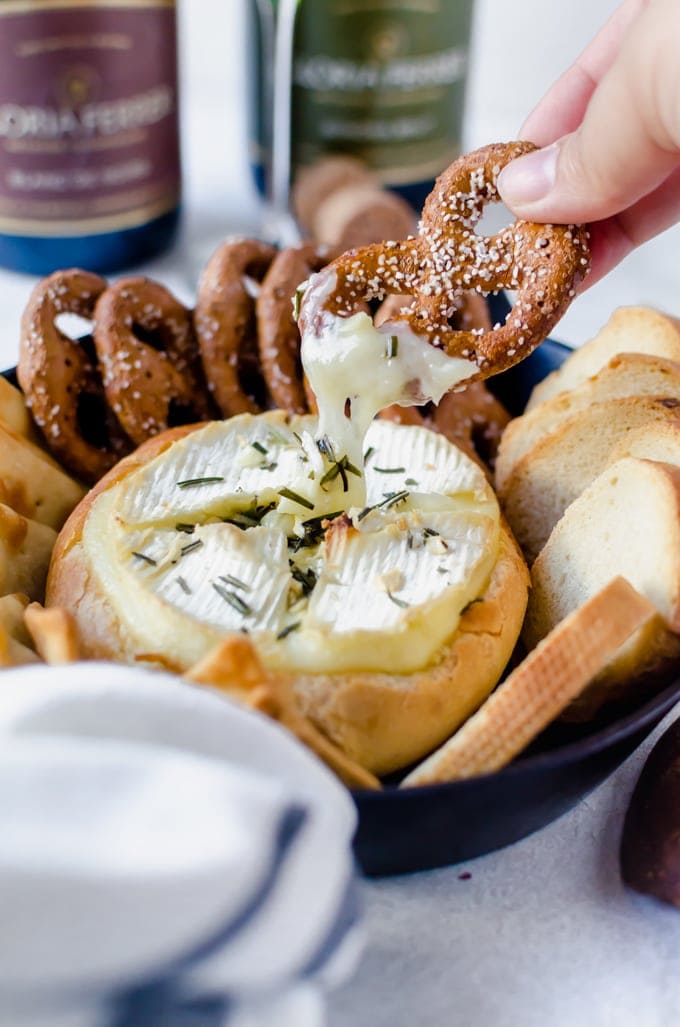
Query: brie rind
x=381, y=589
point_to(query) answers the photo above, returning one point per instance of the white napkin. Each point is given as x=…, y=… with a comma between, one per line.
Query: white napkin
x=167, y=858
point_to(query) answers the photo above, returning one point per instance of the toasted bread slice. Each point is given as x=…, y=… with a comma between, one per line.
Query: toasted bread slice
x=553, y=674
x=627, y=522
x=32, y=484
x=559, y=467
x=629, y=374
x=629, y=330
x=657, y=440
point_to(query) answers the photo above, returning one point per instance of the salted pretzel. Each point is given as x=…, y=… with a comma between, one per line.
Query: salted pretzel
x=541, y=264
x=277, y=330
x=61, y=380
x=224, y=319
x=148, y=357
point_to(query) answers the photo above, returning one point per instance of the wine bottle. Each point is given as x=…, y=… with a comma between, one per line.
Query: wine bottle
x=89, y=143
x=381, y=80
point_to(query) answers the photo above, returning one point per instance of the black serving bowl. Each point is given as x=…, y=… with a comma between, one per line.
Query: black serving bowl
x=401, y=831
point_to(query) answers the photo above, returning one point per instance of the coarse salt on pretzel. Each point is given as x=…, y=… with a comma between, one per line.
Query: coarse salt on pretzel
x=278, y=333
x=148, y=356
x=60, y=378
x=542, y=264
x=224, y=319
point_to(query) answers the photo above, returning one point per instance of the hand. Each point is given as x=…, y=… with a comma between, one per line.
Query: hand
x=610, y=135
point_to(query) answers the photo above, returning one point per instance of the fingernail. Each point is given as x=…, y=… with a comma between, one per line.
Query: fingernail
x=529, y=178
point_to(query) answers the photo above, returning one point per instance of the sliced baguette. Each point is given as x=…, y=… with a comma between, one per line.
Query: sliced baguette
x=559, y=467
x=657, y=440
x=552, y=675
x=627, y=522
x=629, y=374
x=629, y=330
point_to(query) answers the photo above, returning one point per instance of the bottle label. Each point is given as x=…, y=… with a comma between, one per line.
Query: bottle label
x=88, y=115
x=382, y=80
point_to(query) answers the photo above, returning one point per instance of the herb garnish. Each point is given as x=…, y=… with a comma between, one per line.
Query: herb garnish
x=145, y=558
x=389, y=470
x=306, y=578
x=391, y=499
x=259, y=447
x=229, y=579
x=188, y=529
x=340, y=467
x=191, y=546
x=392, y=346
x=397, y=602
x=233, y=599
x=296, y=498
x=183, y=585
x=325, y=447
x=369, y=453
x=288, y=629
x=410, y=481
x=249, y=517
x=190, y=482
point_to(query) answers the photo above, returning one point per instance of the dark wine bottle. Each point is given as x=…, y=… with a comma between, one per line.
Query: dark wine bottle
x=89, y=141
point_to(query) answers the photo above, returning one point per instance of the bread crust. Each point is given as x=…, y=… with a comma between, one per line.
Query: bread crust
x=382, y=721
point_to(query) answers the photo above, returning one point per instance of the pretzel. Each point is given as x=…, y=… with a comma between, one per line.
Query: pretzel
x=60, y=379
x=542, y=264
x=278, y=333
x=224, y=320
x=148, y=356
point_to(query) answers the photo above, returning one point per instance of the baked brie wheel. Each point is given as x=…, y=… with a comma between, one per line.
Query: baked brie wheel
x=392, y=620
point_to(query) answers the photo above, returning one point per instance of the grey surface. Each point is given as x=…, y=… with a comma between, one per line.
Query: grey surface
x=543, y=934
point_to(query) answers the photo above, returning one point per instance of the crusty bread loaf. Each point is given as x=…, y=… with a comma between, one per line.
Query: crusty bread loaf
x=626, y=522
x=629, y=330
x=559, y=467
x=629, y=374
x=382, y=721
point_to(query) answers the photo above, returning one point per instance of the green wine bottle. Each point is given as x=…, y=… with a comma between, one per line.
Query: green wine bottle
x=381, y=80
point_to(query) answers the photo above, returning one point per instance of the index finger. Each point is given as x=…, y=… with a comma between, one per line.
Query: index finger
x=562, y=108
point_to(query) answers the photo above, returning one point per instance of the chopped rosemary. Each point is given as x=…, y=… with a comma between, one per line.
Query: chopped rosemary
x=191, y=546
x=288, y=630
x=442, y=570
x=398, y=602
x=392, y=346
x=430, y=532
x=369, y=453
x=233, y=599
x=145, y=558
x=297, y=302
x=389, y=470
x=188, y=529
x=269, y=467
x=306, y=578
x=298, y=438
x=229, y=579
x=183, y=585
x=190, y=482
x=296, y=498
x=259, y=447
x=392, y=498
x=411, y=481
x=325, y=447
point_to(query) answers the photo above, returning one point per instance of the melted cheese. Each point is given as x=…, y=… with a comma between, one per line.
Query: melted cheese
x=200, y=541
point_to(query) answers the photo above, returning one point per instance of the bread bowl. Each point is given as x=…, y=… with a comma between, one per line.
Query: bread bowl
x=386, y=682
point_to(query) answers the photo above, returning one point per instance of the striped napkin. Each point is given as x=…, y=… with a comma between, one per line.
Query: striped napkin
x=168, y=859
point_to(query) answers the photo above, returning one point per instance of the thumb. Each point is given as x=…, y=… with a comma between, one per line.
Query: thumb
x=629, y=139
